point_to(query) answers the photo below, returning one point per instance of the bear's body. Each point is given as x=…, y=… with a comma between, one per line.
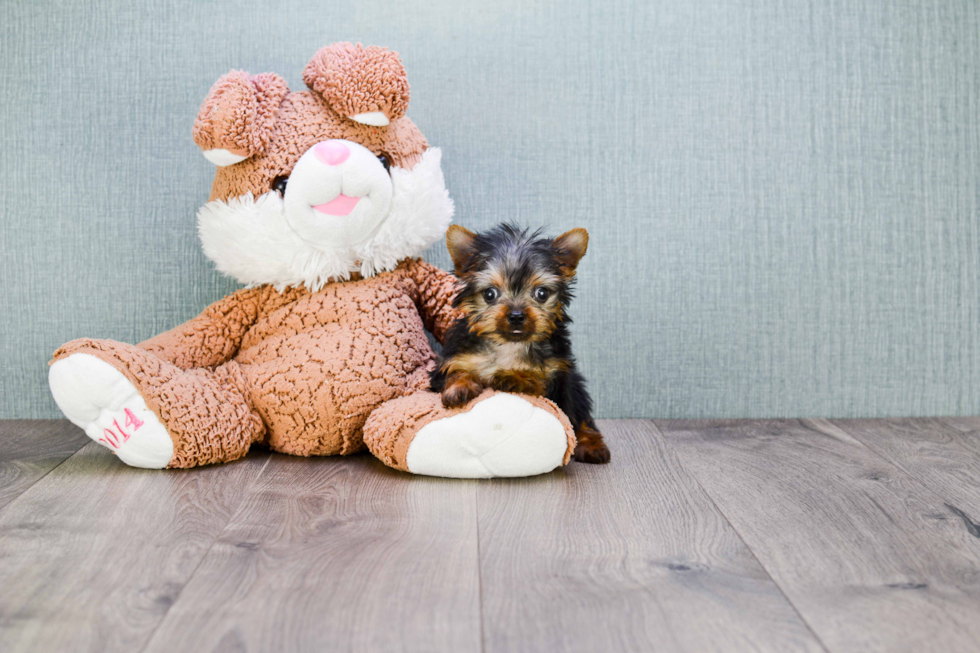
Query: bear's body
x=300, y=370
x=322, y=201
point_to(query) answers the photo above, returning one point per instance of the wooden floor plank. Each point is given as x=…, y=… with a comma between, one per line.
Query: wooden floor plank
x=944, y=454
x=93, y=555
x=29, y=449
x=865, y=552
x=339, y=554
x=631, y=556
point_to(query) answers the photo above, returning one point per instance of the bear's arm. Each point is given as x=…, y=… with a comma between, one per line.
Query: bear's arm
x=214, y=336
x=436, y=289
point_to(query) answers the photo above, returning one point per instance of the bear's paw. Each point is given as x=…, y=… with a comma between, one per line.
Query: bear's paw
x=504, y=435
x=101, y=401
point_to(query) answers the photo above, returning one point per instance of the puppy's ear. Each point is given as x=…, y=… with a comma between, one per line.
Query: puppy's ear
x=460, y=242
x=571, y=247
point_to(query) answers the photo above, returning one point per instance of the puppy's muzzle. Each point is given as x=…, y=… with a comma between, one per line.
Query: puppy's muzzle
x=516, y=319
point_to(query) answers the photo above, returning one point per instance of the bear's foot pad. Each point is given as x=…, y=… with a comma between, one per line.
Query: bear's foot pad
x=499, y=437
x=101, y=401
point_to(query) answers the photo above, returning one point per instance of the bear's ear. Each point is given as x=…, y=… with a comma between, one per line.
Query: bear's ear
x=235, y=121
x=366, y=85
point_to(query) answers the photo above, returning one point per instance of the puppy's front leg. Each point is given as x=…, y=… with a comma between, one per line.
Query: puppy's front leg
x=460, y=389
x=522, y=382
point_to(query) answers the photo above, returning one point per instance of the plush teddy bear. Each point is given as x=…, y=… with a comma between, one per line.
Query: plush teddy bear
x=321, y=202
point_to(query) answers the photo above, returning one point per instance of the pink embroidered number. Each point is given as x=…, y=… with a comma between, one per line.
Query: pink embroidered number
x=133, y=420
x=115, y=440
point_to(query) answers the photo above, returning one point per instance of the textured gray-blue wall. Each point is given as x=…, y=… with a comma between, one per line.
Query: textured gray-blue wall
x=782, y=195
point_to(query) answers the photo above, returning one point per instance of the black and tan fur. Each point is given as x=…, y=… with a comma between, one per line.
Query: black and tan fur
x=514, y=290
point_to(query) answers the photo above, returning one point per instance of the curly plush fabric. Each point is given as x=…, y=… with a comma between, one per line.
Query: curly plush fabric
x=206, y=412
x=389, y=430
x=305, y=119
x=354, y=79
x=239, y=112
x=297, y=370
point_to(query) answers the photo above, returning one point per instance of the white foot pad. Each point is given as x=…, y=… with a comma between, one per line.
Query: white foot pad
x=501, y=436
x=97, y=398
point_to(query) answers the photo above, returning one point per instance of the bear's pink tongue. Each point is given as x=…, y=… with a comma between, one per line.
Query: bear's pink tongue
x=340, y=205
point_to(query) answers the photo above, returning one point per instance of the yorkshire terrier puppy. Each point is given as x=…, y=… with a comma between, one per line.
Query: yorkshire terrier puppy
x=514, y=289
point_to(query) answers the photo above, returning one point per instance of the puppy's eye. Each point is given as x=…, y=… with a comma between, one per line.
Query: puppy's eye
x=541, y=294
x=279, y=184
x=384, y=161
x=490, y=294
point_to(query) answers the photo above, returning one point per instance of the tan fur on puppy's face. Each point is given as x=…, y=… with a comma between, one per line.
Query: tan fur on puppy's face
x=516, y=291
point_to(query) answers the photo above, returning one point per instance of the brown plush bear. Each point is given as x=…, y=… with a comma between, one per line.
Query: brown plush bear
x=321, y=202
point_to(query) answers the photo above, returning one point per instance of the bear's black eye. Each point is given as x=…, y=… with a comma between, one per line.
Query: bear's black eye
x=384, y=161
x=279, y=184
x=541, y=294
x=490, y=294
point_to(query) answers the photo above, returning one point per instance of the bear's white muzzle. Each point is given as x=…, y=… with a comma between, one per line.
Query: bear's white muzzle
x=338, y=193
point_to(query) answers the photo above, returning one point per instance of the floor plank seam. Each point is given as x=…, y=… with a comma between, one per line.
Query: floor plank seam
x=885, y=457
x=479, y=565
x=697, y=481
x=244, y=495
x=41, y=478
x=913, y=478
x=968, y=523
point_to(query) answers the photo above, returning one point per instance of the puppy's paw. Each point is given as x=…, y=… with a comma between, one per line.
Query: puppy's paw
x=459, y=392
x=590, y=448
x=593, y=453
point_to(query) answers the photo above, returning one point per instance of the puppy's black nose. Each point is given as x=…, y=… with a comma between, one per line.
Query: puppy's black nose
x=516, y=318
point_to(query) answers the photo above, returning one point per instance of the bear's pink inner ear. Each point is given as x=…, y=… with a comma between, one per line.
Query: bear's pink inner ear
x=236, y=119
x=367, y=85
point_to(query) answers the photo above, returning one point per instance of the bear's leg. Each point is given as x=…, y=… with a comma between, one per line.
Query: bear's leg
x=496, y=434
x=151, y=413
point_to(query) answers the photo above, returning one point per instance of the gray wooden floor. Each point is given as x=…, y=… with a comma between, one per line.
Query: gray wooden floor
x=781, y=536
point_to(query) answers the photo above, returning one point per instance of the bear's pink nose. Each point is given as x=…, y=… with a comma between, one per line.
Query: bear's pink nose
x=333, y=153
